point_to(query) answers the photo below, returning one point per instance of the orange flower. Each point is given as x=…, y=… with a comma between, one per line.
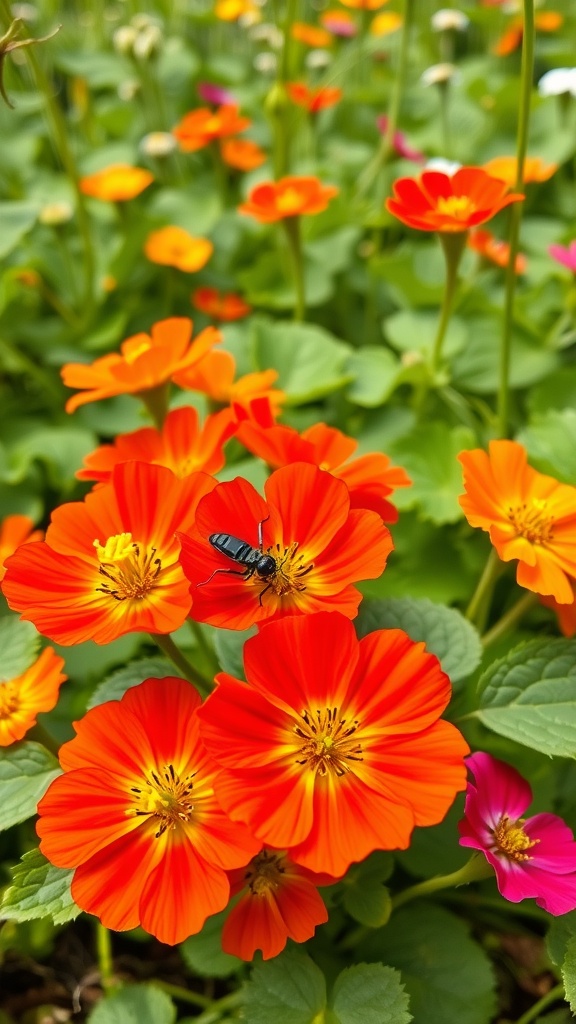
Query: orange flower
x=214, y=377
x=529, y=516
x=200, y=127
x=146, y=362
x=370, y=478
x=440, y=202
x=385, y=24
x=364, y=5
x=565, y=613
x=311, y=35
x=289, y=197
x=22, y=698
x=313, y=99
x=334, y=747
x=14, y=531
x=174, y=247
x=340, y=23
x=544, y=21
x=317, y=546
x=495, y=250
x=242, y=154
x=231, y=10
x=182, y=445
x=116, y=183
x=223, y=306
x=505, y=168
x=135, y=814
x=279, y=901
x=109, y=565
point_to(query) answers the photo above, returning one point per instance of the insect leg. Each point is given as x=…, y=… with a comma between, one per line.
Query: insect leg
x=262, y=592
x=230, y=572
x=260, y=525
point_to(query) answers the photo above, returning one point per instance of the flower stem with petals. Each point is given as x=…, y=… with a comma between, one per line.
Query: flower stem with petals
x=473, y=870
x=511, y=618
x=526, y=76
x=553, y=996
x=292, y=229
x=174, y=654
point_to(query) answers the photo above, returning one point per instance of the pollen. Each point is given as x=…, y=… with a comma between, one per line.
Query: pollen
x=290, y=568
x=532, y=521
x=131, y=570
x=264, y=873
x=164, y=796
x=511, y=839
x=459, y=207
x=289, y=201
x=9, y=702
x=328, y=742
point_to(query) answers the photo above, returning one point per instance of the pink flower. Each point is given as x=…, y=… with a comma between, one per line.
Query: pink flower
x=532, y=857
x=565, y=256
x=209, y=92
x=400, y=142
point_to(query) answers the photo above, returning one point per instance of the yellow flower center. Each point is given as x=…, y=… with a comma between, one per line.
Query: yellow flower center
x=290, y=567
x=328, y=743
x=459, y=207
x=511, y=839
x=133, y=348
x=264, y=873
x=532, y=521
x=289, y=201
x=9, y=702
x=132, y=571
x=165, y=796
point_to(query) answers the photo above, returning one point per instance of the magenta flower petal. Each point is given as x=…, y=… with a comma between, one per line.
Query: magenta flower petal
x=209, y=92
x=565, y=256
x=532, y=857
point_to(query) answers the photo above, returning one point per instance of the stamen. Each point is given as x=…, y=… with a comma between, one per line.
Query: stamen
x=532, y=521
x=328, y=742
x=9, y=702
x=164, y=796
x=511, y=839
x=264, y=872
x=459, y=207
x=289, y=570
x=132, y=571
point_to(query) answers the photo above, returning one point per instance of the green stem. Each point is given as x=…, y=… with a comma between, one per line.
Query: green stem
x=483, y=592
x=218, y=1008
x=511, y=618
x=553, y=996
x=38, y=734
x=104, y=952
x=453, y=244
x=203, y=646
x=473, y=870
x=156, y=401
x=277, y=103
x=526, y=76
x=292, y=229
x=183, y=995
x=444, y=88
x=172, y=652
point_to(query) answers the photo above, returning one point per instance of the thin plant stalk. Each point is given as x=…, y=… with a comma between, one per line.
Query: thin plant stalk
x=292, y=229
x=174, y=654
x=453, y=244
x=553, y=996
x=510, y=619
x=516, y=216
x=104, y=953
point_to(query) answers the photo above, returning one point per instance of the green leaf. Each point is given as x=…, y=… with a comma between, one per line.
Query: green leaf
x=528, y=696
x=16, y=218
x=115, y=685
x=203, y=953
x=551, y=443
x=415, y=331
x=562, y=930
x=310, y=361
x=19, y=643
x=135, y=1004
x=287, y=990
x=268, y=283
x=229, y=645
x=26, y=771
x=446, y=632
x=370, y=994
x=39, y=889
x=446, y=974
x=428, y=454
x=569, y=973
x=475, y=369
x=435, y=850
x=366, y=898
x=375, y=371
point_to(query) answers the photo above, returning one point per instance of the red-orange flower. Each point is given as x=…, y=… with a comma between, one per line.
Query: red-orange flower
x=182, y=445
x=370, y=478
x=222, y=306
x=289, y=197
x=311, y=35
x=279, y=901
x=109, y=565
x=214, y=377
x=506, y=168
x=318, y=544
x=116, y=183
x=544, y=21
x=145, y=362
x=529, y=516
x=334, y=748
x=495, y=250
x=22, y=698
x=200, y=127
x=174, y=247
x=14, y=531
x=441, y=202
x=135, y=814
x=242, y=154
x=565, y=613
x=364, y=5
x=313, y=100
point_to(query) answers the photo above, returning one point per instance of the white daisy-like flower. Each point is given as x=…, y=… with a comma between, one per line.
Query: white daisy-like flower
x=439, y=163
x=440, y=74
x=447, y=19
x=158, y=144
x=557, y=82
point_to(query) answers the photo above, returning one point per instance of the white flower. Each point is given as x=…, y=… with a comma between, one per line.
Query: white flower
x=438, y=163
x=124, y=38
x=317, y=58
x=265, y=63
x=440, y=74
x=267, y=33
x=558, y=81
x=147, y=42
x=128, y=89
x=158, y=144
x=59, y=212
x=446, y=19
x=24, y=12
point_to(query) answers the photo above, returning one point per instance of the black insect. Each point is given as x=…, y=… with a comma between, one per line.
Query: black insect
x=254, y=560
